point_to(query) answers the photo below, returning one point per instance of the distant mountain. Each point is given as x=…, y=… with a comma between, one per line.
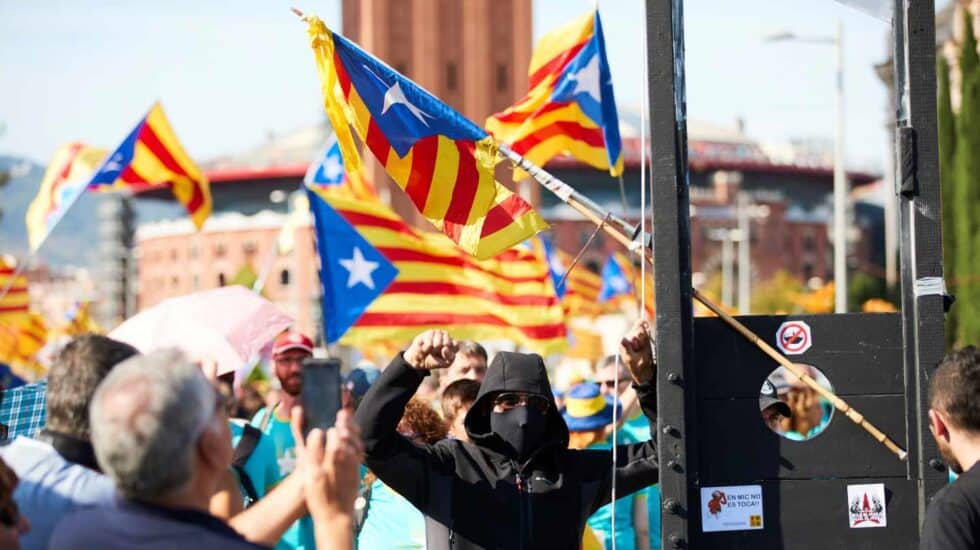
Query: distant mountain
x=74, y=241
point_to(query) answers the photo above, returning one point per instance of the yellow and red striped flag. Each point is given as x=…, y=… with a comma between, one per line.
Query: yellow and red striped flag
x=582, y=287
x=151, y=156
x=509, y=297
x=569, y=107
x=443, y=162
x=15, y=305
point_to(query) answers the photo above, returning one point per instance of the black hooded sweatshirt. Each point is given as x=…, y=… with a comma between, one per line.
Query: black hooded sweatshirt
x=477, y=495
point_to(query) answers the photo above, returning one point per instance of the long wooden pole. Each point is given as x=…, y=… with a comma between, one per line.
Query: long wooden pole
x=588, y=209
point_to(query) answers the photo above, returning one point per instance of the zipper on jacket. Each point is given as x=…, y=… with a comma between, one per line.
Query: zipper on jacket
x=522, y=529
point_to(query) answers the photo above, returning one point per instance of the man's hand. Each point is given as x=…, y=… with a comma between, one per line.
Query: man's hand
x=636, y=351
x=329, y=465
x=433, y=349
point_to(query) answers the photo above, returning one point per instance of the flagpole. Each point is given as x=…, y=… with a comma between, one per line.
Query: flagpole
x=590, y=210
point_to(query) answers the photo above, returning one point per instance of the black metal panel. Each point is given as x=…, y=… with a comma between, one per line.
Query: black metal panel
x=737, y=448
x=860, y=353
x=811, y=515
x=672, y=243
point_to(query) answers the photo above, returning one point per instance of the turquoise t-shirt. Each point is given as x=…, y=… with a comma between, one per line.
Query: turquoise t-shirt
x=600, y=520
x=391, y=522
x=300, y=535
x=261, y=466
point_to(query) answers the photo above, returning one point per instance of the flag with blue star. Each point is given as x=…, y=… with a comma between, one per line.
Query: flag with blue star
x=352, y=271
x=444, y=162
x=327, y=175
x=569, y=107
x=615, y=281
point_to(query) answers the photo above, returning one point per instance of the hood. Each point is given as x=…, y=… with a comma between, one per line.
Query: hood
x=514, y=372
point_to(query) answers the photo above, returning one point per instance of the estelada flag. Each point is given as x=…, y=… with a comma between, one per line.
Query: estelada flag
x=569, y=107
x=151, y=156
x=437, y=286
x=443, y=162
x=64, y=181
x=327, y=174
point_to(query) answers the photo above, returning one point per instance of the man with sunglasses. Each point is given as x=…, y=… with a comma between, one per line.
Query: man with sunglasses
x=515, y=484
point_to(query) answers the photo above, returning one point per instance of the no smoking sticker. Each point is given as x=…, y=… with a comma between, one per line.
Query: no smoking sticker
x=794, y=337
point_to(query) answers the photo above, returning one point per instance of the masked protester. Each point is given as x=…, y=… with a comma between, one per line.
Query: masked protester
x=516, y=484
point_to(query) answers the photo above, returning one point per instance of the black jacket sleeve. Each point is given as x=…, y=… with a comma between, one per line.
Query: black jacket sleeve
x=401, y=464
x=636, y=464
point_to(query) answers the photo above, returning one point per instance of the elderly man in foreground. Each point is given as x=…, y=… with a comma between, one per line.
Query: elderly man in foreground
x=160, y=431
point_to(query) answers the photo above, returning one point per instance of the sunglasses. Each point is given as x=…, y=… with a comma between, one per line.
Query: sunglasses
x=612, y=383
x=510, y=400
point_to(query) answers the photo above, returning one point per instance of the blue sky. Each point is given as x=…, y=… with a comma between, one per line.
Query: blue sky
x=229, y=73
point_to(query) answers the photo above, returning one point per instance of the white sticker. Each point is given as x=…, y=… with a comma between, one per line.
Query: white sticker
x=735, y=508
x=866, y=505
x=794, y=337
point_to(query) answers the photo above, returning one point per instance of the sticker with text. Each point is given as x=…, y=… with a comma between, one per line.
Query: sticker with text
x=734, y=508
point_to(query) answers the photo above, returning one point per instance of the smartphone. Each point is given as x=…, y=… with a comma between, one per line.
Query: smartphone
x=321, y=393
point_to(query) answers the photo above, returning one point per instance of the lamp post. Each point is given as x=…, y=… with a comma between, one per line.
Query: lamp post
x=840, y=178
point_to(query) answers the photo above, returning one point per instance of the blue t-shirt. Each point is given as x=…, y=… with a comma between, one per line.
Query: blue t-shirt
x=50, y=487
x=391, y=522
x=300, y=535
x=600, y=520
x=261, y=467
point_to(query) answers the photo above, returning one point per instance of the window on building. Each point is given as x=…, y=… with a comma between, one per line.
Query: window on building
x=193, y=252
x=402, y=68
x=807, y=271
x=221, y=279
x=173, y=254
x=250, y=247
x=503, y=80
x=284, y=277
x=809, y=241
x=451, y=77
x=220, y=250
x=174, y=282
x=195, y=282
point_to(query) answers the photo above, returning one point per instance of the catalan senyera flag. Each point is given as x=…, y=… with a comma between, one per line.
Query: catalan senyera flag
x=327, y=174
x=569, y=107
x=582, y=288
x=443, y=162
x=64, y=181
x=438, y=286
x=15, y=306
x=151, y=156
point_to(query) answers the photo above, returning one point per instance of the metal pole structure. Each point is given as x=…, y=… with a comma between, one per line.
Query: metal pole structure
x=744, y=254
x=840, y=185
x=726, y=268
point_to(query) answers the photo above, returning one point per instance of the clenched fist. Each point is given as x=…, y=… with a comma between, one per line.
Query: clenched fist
x=636, y=350
x=433, y=349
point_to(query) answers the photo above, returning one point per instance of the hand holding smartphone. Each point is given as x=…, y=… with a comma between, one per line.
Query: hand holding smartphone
x=321, y=393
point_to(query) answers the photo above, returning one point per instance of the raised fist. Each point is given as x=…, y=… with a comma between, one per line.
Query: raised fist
x=636, y=350
x=433, y=349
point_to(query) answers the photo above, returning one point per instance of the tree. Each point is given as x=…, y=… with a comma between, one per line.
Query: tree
x=966, y=195
x=947, y=151
x=779, y=295
x=4, y=180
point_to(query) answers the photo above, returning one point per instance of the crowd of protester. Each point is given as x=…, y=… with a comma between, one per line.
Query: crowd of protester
x=443, y=448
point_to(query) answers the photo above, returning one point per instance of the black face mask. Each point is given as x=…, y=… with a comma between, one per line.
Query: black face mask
x=521, y=428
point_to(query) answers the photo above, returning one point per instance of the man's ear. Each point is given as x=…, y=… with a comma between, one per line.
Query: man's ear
x=938, y=424
x=210, y=445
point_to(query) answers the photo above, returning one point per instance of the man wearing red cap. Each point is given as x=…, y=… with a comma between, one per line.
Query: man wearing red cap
x=288, y=353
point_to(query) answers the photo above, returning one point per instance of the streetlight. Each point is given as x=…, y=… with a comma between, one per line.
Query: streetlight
x=840, y=181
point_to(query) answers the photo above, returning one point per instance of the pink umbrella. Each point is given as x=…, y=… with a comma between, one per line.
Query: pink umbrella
x=227, y=326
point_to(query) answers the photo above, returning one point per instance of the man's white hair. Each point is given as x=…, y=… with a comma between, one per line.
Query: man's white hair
x=146, y=417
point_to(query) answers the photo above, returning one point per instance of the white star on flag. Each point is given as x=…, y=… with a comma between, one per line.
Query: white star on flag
x=395, y=96
x=619, y=284
x=587, y=79
x=332, y=168
x=359, y=270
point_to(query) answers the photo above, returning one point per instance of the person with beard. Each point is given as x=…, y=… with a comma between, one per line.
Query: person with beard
x=516, y=484
x=953, y=517
x=288, y=353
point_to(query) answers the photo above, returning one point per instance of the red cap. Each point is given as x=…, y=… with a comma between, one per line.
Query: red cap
x=291, y=340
